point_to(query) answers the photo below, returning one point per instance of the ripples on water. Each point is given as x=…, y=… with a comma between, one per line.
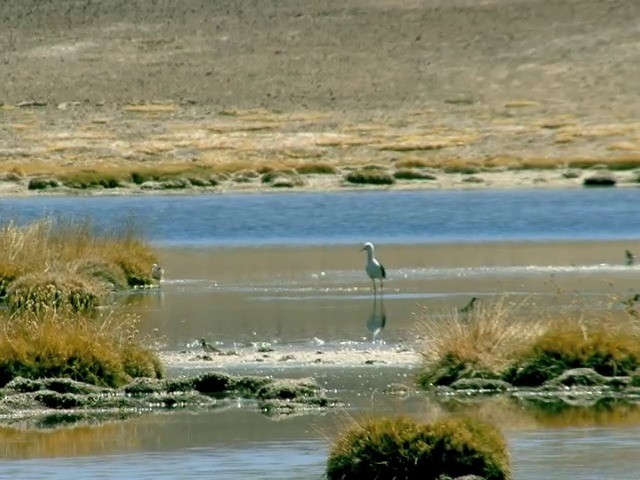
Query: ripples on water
x=389, y=217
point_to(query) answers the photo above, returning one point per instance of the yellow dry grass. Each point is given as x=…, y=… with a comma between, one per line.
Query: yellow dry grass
x=488, y=337
x=151, y=108
x=98, y=351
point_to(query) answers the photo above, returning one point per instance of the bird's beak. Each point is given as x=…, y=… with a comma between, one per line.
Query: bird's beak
x=363, y=248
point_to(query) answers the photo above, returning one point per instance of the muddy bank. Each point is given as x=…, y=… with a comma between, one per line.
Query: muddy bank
x=53, y=402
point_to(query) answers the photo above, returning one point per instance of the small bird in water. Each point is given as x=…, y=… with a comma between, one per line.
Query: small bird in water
x=207, y=347
x=157, y=272
x=469, y=306
x=374, y=268
x=631, y=258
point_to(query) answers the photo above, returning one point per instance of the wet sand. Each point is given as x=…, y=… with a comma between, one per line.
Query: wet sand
x=312, y=309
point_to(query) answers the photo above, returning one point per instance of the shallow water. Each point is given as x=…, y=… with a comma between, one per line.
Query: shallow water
x=313, y=306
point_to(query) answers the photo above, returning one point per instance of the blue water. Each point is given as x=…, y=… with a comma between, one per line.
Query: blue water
x=578, y=453
x=351, y=217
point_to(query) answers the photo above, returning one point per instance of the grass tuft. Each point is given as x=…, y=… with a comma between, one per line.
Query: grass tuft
x=52, y=263
x=481, y=343
x=370, y=176
x=501, y=340
x=316, y=169
x=100, y=352
x=608, y=347
x=392, y=448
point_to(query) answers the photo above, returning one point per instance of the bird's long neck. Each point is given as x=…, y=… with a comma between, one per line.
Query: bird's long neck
x=369, y=254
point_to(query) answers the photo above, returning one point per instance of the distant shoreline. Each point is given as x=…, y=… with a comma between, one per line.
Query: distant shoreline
x=521, y=179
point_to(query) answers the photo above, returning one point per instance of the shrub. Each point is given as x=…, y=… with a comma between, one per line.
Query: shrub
x=42, y=183
x=370, y=176
x=387, y=449
x=499, y=341
x=608, y=347
x=51, y=344
x=481, y=343
x=38, y=292
x=75, y=252
x=91, y=179
x=316, y=169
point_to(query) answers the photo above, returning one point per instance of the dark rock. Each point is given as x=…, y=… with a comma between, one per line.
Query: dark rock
x=600, y=180
x=212, y=382
x=579, y=376
x=491, y=384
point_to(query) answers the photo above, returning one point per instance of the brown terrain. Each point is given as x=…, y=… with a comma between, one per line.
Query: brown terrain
x=472, y=92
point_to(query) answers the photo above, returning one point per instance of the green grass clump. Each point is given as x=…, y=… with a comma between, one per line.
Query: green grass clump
x=609, y=348
x=372, y=176
x=52, y=345
x=393, y=448
x=36, y=292
x=411, y=174
x=84, y=179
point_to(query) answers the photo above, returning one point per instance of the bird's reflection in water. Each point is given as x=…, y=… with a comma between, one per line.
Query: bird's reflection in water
x=148, y=298
x=377, y=319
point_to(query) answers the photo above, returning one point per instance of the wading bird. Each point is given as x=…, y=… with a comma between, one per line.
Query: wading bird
x=374, y=268
x=469, y=306
x=157, y=272
x=631, y=258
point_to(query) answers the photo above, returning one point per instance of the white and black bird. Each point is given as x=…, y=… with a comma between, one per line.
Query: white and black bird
x=157, y=272
x=374, y=268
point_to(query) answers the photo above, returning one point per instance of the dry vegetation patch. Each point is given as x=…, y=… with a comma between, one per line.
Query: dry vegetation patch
x=63, y=265
x=510, y=342
x=96, y=351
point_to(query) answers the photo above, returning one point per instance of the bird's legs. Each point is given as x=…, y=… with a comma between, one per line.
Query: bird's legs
x=375, y=291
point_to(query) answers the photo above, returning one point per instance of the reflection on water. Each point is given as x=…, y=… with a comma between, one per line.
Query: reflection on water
x=377, y=320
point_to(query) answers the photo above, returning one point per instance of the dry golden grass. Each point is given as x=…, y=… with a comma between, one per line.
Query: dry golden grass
x=520, y=104
x=485, y=339
x=97, y=351
x=151, y=108
x=53, y=263
x=505, y=340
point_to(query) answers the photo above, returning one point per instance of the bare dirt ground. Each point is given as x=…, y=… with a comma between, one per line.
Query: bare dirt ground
x=478, y=92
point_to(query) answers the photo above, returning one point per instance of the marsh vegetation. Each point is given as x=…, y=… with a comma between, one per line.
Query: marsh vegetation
x=394, y=448
x=507, y=341
x=54, y=274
